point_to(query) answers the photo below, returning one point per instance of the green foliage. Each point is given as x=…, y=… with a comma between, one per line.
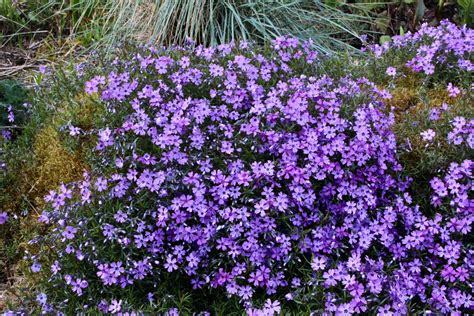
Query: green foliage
x=467, y=7
x=420, y=10
x=36, y=160
x=422, y=161
x=13, y=94
x=82, y=19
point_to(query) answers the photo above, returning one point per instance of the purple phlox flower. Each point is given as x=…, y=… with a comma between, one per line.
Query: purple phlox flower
x=11, y=116
x=78, y=286
x=115, y=306
x=74, y=131
x=93, y=84
x=121, y=217
x=150, y=297
x=428, y=135
x=69, y=232
x=434, y=114
x=36, y=267
x=101, y=184
x=41, y=298
x=453, y=90
x=3, y=217
x=391, y=71
x=272, y=308
x=55, y=267
x=171, y=263
x=318, y=263
x=172, y=312
x=116, y=268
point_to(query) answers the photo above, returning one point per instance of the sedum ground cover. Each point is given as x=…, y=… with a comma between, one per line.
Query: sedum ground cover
x=243, y=179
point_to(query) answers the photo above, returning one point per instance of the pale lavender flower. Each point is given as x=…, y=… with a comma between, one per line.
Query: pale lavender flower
x=428, y=135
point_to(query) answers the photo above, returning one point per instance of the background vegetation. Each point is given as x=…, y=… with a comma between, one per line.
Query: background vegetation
x=34, y=32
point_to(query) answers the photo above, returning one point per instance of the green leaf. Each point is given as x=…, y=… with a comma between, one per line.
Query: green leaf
x=331, y=3
x=32, y=17
x=402, y=31
x=384, y=38
x=420, y=10
x=465, y=4
x=467, y=7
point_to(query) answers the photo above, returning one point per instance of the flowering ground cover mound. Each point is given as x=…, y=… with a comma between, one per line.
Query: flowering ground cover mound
x=446, y=49
x=258, y=178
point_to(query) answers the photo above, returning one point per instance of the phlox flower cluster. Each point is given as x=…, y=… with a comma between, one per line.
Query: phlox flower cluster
x=462, y=132
x=447, y=46
x=237, y=171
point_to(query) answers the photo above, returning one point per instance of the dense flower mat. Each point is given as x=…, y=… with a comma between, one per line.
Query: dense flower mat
x=243, y=173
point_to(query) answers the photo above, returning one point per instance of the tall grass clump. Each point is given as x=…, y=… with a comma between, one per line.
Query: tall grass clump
x=104, y=23
x=214, y=22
